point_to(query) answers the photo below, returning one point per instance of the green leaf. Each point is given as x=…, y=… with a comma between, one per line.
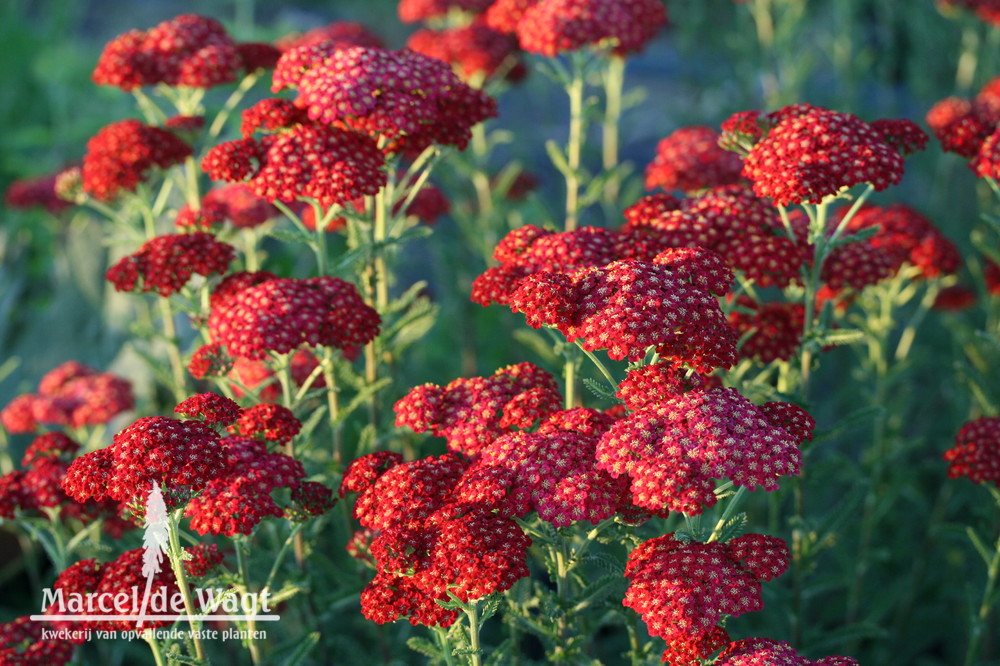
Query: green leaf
x=500, y=654
x=979, y=545
x=490, y=605
x=599, y=590
x=306, y=645
x=855, y=418
x=424, y=647
x=291, y=236
x=837, y=337
x=733, y=528
x=599, y=389
x=314, y=419
x=363, y=396
x=558, y=159
x=861, y=235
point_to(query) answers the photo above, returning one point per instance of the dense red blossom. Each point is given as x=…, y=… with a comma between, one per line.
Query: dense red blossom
x=37, y=191
x=235, y=500
x=908, y=238
x=405, y=495
x=209, y=360
x=164, y=264
x=309, y=499
x=341, y=33
x=22, y=642
x=123, y=576
x=363, y=472
x=470, y=413
x=761, y=651
x=475, y=50
x=189, y=50
x=331, y=165
x=238, y=204
x=731, y=221
x=211, y=407
x=628, y=306
x=961, y=125
x=675, y=449
x=976, y=453
x=205, y=218
x=120, y=155
x=551, y=27
x=776, y=329
x=182, y=455
x=272, y=423
x=201, y=558
x=418, y=11
x=407, y=100
x=650, y=384
x=682, y=590
x=280, y=314
x=811, y=153
x=690, y=159
x=71, y=394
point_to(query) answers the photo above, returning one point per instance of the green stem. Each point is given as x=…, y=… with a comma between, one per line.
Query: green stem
x=441, y=636
x=227, y=108
x=173, y=350
x=600, y=366
x=980, y=618
x=154, y=647
x=472, y=613
x=614, y=82
x=282, y=552
x=574, y=144
x=174, y=553
x=333, y=404
x=242, y=555
x=569, y=374
x=731, y=507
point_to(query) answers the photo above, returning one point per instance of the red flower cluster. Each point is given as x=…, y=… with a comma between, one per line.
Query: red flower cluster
x=551, y=27
x=674, y=450
x=211, y=407
x=691, y=159
x=908, y=237
x=164, y=264
x=309, y=499
x=22, y=643
x=427, y=544
x=119, y=156
x=987, y=10
x=760, y=651
x=731, y=221
x=200, y=559
x=406, y=100
x=253, y=314
x=302, y=159
x=258, y=376
x=809, y=153
x=471, y=413
x=39, y=191
x=476, y=51
x=271, y=423
x=71, y=395
x=188, y=50
x=236, y=203
x=184, y=455
x=416, y=11
x=36, y=485
x=976, y=453
x=237, y=498
x=650, y=384
x=683, y=590
x=628, y=306
x=777, y=329
x=343, y=34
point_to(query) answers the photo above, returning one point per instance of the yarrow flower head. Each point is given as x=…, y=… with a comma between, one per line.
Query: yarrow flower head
x=189, y=50
x=470, y=413
x=551, y=27
x=238, y=204
x=976, y=453
x=650, y=384
x=281, y=314
x=683, y=590
x=675, y=449
x=164, y=264
x=272, y=423
x=418, y=11
x=628, y=306
x=476, y=51
x=71, y=394
x=775, y=328
x=760, y=651
x=120, y=155
x=690, y=159
x=810, y=153
x=235, y=500
x=731, y=221
x=200, y=559
x=37, y=191
x=300, y=159
x=183, y=455
x=23, y=641
x=406, y=100
x=342, y=33
x=211, y=407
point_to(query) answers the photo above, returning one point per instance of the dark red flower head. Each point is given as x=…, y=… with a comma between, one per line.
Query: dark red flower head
x=38, y=191
x=404, y=99
x=164, y=264
x=811, y=153
x=23, y=642
x=476, y=51
x=691, y=159
x=271, y=423
x=759, y=651
x=682, y=590
x=908, y=238
x=976, y=453
x=211, y=407
x=189, y=50
x=120, y=155
x=775, y=328
x=281, y=314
